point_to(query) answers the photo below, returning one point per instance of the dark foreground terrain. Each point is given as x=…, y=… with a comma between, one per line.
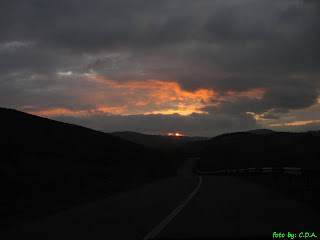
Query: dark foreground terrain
x=47, y=166
x=62, y=181
x=224, y=207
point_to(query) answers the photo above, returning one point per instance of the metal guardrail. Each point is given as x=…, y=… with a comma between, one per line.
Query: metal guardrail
x=264, y=170
x=292, y=174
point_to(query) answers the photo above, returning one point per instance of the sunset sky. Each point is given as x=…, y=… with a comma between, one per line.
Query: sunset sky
x=200, y=68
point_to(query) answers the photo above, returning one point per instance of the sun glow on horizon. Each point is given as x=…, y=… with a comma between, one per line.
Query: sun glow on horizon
x=175, y=134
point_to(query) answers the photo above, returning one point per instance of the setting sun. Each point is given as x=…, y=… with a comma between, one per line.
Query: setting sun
x=175, y=134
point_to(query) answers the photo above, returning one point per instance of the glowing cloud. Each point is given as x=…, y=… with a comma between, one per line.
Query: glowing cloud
x=54, y=111
x=156, y=97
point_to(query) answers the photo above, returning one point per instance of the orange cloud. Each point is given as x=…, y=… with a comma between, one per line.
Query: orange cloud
x=55, y=112
x=182, y=110
x=114, y=110
x=155, y=96
x=161, y=90
x=141, y=103
x=64, y=111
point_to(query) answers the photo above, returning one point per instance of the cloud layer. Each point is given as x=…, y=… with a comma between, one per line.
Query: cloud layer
x=128, y=65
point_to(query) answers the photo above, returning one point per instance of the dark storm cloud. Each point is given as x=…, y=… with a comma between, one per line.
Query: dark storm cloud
x=290, y=97
x=86, y=26
x=269, y=38
x=292, y=94
x=253, y=36
x=30, y=59
x=240, y=83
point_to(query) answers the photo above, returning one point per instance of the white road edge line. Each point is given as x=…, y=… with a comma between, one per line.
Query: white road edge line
x=165, y=221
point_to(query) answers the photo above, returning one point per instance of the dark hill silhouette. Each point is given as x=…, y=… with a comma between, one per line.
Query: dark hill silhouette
x=27, y=133
x=48, y=165
x=246, y=149
x=157, y=141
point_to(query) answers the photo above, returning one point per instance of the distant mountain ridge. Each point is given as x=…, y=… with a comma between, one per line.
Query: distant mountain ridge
x=157, y=141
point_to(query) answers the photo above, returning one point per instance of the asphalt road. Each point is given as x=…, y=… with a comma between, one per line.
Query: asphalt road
x=223, y=208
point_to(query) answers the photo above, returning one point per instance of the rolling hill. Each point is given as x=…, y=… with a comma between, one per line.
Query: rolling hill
x=48, y=165
x=28, y=134
x=249, y=149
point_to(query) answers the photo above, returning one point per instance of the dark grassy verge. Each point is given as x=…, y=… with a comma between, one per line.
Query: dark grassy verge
x=29, y=192
x=302, y=188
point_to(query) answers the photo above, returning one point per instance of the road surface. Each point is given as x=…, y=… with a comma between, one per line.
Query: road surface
x=224, y=207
